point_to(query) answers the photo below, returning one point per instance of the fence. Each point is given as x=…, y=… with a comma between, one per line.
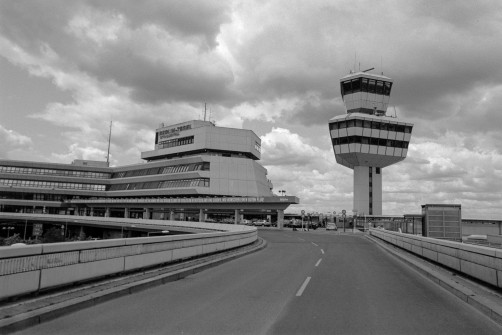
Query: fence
x=480, y=262
x=33, y=268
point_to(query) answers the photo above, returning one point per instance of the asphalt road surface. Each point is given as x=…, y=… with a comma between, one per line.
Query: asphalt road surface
x=302, y=283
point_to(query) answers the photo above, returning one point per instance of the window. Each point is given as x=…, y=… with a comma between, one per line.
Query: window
x=367, y=124
x=342, y=125
x=364, y=84
x=359, y=123
x=346, y=88
x=350, y=123
x=377, y=170
x=372, y=86
x=407, y=129
x=375, y=125
x=379, y=87
x=356, y=85
x=387, y=88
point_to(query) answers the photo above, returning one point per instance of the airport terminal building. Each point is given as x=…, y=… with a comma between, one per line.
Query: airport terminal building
x=197, y=171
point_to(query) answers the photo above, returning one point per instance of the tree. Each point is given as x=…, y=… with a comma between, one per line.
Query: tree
x=53, y=235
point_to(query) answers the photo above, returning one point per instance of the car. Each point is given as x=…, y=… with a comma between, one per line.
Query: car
x=331, y=226
x=260, y=222
x=246, y=222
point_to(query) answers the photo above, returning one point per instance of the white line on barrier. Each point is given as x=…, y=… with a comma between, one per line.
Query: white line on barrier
x=302, y=288
x=318, y=262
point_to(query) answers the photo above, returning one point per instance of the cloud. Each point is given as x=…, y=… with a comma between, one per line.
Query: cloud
x=274, y=66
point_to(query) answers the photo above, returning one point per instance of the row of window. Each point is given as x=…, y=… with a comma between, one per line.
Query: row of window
x=198, y=182
x=204, y=166
x=371, y=141
x=366, y=85
x=368, y=124
x=54, y=172
x=176, y=142
x=48, y=184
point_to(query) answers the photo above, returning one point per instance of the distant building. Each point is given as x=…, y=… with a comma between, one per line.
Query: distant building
x=196, y=170
x=366, y=139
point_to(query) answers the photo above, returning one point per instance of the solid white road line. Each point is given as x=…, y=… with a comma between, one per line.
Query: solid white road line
x=318, y=262
x=301, y=239
x=322, y=251
x=304, y=285
x=314, y=244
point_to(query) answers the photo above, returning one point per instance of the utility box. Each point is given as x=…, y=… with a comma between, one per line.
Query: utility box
x=442, y=222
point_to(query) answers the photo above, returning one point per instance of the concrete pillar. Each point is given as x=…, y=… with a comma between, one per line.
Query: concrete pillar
x=171, y=215
x=107, y=212
x=364, y=194
x=126, y=213
x=92, y=211
x=147, y=214
x=280, y=219
x=237, y=216
x=76, y=213
x=182, y=216
x=201, y=215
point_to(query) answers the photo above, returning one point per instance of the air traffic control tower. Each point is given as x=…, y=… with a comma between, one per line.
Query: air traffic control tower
x=366, y=139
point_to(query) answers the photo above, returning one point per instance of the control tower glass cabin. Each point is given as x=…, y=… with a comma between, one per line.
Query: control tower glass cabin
x=365, y=139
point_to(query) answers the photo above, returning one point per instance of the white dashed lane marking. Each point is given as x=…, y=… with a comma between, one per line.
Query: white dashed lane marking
x=302, y=288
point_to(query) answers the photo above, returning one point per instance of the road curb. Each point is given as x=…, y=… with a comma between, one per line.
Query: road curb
x=489, y=307
x=31, y=318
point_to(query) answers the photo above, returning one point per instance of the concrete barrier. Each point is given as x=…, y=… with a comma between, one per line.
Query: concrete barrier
x=32, y=268
x=480, y=262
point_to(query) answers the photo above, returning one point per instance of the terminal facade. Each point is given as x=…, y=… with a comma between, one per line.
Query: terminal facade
x=197, y=171
x=366, y=139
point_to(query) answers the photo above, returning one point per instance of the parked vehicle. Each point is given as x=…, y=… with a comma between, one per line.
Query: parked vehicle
x=260, y=223
x=331, y=226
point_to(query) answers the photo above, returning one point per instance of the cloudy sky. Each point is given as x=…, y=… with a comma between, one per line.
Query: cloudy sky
x=69, y=67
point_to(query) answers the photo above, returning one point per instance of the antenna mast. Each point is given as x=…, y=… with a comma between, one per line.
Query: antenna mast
x=109, y=141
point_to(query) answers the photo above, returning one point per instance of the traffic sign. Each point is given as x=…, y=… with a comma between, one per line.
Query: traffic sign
x=344, y=211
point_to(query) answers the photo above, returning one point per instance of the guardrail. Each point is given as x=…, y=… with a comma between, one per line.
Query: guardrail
x=33, y=268
x=480, y=262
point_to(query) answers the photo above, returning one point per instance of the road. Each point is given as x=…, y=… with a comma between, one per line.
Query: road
x=302, y=283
